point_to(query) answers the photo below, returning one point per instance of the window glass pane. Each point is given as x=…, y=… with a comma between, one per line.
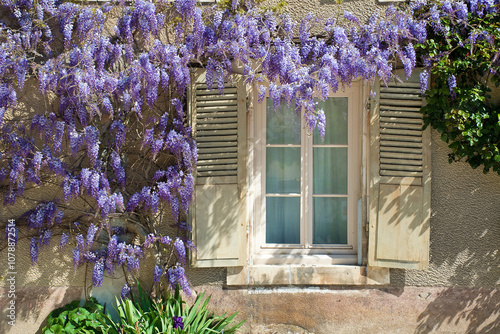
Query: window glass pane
x=282, y=124
x=282, y=170
x=330, y=170
x=283, y=220
x=335, y=109
x=330, y=220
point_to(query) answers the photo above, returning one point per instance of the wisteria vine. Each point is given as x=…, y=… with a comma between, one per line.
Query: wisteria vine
x=110, y=132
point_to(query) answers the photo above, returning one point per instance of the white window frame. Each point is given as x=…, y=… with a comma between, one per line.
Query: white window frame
x=306, y=253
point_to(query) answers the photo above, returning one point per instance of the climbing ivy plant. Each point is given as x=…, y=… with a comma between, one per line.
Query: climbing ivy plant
x=462, y=53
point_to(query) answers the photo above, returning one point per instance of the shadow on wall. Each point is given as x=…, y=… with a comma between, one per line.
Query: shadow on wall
x=39, y=288
x=464, y=249
x=32, y=306
x=479, y=308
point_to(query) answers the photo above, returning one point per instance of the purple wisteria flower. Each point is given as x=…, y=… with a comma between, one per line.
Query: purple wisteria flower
x=181, y=250
x=452, y=84
x=125, y=291
x=34, y=250
x=93, y=142
x=118, y=168
x=321, y=123
x=176, y=275
x=91, y=232
x=112, y=253
x=98, y=272
x=157, y=274
x=76, y=257
x=64, y=240
x=149, y=240
x=45, y=238
x=424, y=81
x=166, y=240
x=80, y=242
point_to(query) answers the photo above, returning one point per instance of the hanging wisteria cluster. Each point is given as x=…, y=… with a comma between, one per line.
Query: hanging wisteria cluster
x=112, y=132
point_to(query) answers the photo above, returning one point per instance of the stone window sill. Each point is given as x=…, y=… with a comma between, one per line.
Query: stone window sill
x=267, y=275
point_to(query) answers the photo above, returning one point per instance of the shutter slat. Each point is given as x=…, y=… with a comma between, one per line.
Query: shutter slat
x=396, y=173
x=216, y=173
x=400, y=167
x=406, y=84
x=394, y=102
x=392, y=119
x=398, y=143
x=202, y=91
x=401, y=155
x=403, y=132
x=401, y=161
x=223, y=98
x=207, y=150
x=216, y=120
x=216, y=103
x=395, y=140
x=403, y=112
x=215, y=114
x=212, y=126
x=401, y=125
x=217, y=138
x=231, y=167
x=216, y=132
x=203, y=86
x=209, y=144
x=217, y=162
x=403, y=90
x=397, y=149
x=218, y=155
x=399, y=96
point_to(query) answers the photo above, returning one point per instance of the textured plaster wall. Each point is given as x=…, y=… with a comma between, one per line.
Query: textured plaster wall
x=465, y=239
x=329, y=8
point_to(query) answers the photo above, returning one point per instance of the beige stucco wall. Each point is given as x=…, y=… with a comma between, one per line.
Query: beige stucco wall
x=458, y=292
x=363, y=9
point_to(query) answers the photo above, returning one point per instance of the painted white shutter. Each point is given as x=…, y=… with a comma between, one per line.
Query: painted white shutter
x=218, y=213
x=400, y=178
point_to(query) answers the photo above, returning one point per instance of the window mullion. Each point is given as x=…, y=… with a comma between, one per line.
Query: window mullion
x=308, y=191
x=303, y=232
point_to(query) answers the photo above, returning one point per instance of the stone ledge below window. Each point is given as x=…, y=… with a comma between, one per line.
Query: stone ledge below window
x=266, y=275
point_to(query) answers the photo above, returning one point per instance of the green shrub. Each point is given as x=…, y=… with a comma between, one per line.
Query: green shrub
x=73, y=318
x=170, y=315
x=141, y=315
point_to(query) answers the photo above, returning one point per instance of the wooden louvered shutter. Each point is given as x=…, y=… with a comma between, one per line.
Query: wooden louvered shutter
x=218, y=210
x=400, y=178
